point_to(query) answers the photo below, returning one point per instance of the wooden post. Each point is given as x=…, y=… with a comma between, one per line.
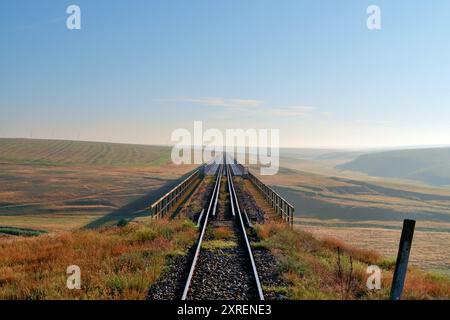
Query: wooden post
x=401, y=267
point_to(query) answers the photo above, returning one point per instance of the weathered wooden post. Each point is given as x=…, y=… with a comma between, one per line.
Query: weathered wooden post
x=401, y=266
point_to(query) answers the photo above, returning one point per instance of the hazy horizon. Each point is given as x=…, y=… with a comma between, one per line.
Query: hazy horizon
x=325, y=148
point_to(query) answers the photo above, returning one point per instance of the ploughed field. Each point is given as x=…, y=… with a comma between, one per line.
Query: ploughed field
x=48, y=185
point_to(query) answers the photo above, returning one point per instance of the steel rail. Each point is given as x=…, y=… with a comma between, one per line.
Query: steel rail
x=233, y=197
x=200, y=218
x=213, y=195
x=229, y=188
x=218, y=190
x=199, y=244
x=247, y=220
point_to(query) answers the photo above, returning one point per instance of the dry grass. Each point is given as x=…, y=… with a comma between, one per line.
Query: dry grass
x=218, y=244
x=116, y=263
x=314, y=269
x=223, y=233
x=363, y=255
x=429, y=248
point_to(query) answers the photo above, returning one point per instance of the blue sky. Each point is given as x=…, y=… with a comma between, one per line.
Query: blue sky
x=139, y=69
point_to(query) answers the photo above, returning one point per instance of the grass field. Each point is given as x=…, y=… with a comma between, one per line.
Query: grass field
x=57, y=186
x=65, y=185
x=63, y=152
x=331, y=269
x=122, y=262
x=367, y=211
x=63, y=189
x=115, y=262
x=429, y=249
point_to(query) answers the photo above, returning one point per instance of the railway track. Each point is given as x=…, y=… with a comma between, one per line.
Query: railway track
x=223, y=265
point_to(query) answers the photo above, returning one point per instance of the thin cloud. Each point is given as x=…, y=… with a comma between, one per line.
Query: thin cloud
x=252, y=106
x=291, y=111
x=218, y=102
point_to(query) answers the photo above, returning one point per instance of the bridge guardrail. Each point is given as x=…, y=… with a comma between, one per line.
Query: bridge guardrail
x=159, y=208
x=283, y=208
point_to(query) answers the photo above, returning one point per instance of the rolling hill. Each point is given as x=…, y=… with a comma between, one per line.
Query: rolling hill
x=56, y=185
x=56, y=152
x=431, y=166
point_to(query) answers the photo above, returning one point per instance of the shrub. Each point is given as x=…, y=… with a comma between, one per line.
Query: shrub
x=144, y=234
x=116, y=263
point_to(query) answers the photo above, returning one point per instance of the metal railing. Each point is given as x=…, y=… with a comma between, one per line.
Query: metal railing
x=283, y=208
x=171, y=198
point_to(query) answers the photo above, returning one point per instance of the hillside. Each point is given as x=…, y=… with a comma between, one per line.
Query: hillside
x=340, y=155
x=369, y=214
x=52, y=185
x=56, y=152
x=431, y=166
